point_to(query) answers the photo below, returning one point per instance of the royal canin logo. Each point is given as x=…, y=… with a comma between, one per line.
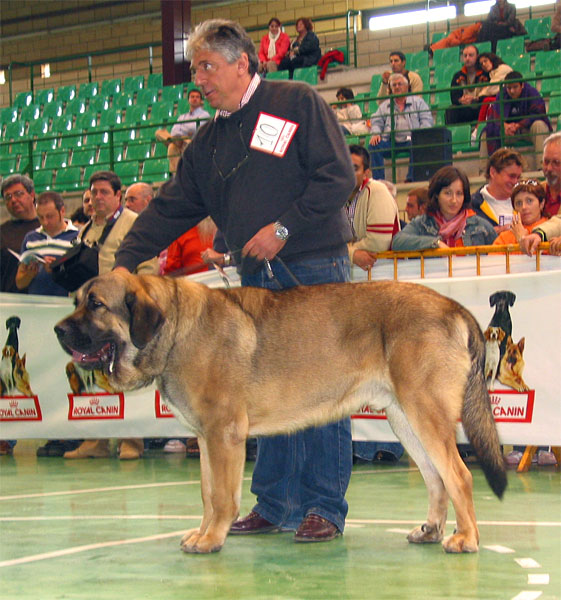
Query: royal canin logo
x=20, y=408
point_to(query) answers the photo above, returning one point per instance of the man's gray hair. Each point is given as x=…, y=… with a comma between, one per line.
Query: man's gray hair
x=554, y=137
x=228, y=38
x=145, y=189
x=16, y=178
x=395, y=76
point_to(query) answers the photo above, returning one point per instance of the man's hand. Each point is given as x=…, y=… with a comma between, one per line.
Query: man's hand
x=264, y=244
x=364, y=259
x=211, y=256
x=26, y=273
x=375, y=140
x=529, y=243
x=49, y=260
x=122, y=269
x=555, y=246
x=511, y=128
x=386, y=77
x=500, y=228
x=467, y=99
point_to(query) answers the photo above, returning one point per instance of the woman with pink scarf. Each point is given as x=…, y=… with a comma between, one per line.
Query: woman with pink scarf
x=449, y=221
x=273, y=48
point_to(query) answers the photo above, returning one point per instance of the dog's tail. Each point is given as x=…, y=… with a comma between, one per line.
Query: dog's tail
x=477, y=417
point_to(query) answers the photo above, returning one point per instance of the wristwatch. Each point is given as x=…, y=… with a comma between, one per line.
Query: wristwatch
x=281, y=231
x=227, y=259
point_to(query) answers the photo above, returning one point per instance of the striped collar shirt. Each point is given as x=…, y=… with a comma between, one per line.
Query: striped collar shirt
x=255, y=81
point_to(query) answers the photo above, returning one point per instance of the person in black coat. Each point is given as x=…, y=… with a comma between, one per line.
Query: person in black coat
x=304, y=50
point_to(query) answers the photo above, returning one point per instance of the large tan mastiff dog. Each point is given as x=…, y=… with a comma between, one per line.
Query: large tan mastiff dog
x=249, y=361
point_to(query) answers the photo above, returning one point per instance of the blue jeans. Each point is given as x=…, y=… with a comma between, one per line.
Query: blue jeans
x=307, y=471
x=383, y=150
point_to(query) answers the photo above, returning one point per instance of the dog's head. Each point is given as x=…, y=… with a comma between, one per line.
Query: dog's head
x=114, y=322
x=502, y=300
x=8, y=353
x=21, y=376
x=514, y=352
x=494, y=334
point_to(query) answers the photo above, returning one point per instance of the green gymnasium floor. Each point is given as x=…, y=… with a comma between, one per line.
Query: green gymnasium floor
x=97, y=529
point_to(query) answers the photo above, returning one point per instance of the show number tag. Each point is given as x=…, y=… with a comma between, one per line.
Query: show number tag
x=273, y=134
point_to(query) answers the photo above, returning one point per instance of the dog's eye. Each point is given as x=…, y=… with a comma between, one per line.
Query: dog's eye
x=94, y=304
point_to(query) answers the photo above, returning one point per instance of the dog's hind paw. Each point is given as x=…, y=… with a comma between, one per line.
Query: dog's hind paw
x=425, y=534
x=458, y=542
x=193, y=542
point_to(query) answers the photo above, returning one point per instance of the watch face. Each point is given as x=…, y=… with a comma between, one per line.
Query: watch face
x=281, y=231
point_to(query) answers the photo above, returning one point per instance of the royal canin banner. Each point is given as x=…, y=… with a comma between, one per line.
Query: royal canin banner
x=39, y=399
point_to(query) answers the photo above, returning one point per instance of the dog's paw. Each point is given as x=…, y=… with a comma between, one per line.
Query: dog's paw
x=458, y=542
x=193, y=542
x=425, y=534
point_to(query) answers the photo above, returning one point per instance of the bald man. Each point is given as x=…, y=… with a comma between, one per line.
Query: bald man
x=138, y=196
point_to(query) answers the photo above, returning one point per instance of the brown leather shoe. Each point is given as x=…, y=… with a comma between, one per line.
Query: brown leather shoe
x=90, y=449
x=253, y=523
x=316, y=529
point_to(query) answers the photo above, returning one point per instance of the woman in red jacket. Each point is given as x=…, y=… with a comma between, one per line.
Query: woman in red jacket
x=274, y=46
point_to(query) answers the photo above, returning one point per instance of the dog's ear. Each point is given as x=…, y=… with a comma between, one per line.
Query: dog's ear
x=146, y=318
x=521, y=344
x=487, y=333
x=511, y=297
x=501, y=334
x=493, y=298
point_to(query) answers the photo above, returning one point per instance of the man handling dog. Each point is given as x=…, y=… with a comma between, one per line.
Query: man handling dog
x=273, y=171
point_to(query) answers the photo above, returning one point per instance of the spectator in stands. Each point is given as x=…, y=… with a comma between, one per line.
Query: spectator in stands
x=273, y=48
x=500, y=23
x=79, y=218
x=19, y=195
x=448, y=222
x=110, y=216
x=184, y=129
x=556, y=26
x=50, y=240
x=137, y=196
x=372, y=213
x=492, y=201
x=304, y=50
x=466, y=103
x=349, y=114
x=409, y=112
x=397, y=63
x=416, y=204
x=523, y=116
x=87, y=204
x=551, y=166
x=549, y=231
x=497, y=70
x=528, y=200
x=184, y=255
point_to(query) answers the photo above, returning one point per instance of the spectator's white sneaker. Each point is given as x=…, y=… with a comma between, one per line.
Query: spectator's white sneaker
x=546, y=458
x=176, y=446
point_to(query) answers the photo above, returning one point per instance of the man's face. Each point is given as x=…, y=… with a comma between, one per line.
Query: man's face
x=470, y=57
x=412, y=207
x=398, y=86
x=505, y=179
x=136, y=199
x=397, y=65
x=218, y=79
x=19, y=202
x=360, y=171
x=87, y=204
x=551, y=164
x=51, y=219
x=514, y=90
x=105, y=200
x=195, y=100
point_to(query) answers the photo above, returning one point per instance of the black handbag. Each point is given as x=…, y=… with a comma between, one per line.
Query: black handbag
x=80, y=263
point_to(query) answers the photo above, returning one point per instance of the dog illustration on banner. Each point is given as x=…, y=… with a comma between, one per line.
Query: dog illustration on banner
x=13, y=374
x=83, y=381
x=503, y=358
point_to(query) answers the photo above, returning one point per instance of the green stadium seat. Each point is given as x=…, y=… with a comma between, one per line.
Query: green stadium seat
x=70, y=140
x=417, y=60
x=77, y=106
x=552, y=85
x=139, y=151
x=162, y=111
x=110, y=87
x=66, y=93
x=87, y=120
x=363, y=101
x=127, y=171
x=424, y=74
x=136, y=114
x=62, y=124
x=46, y=144
x=172, y=93
x=483, y=46
x=53, y=110
x=110, y=117
x=520, y=63
x=23, y=99
x=14, y=130
x=37, y=161
x=445, y=56
x=38, y=128
x=123, y=100
x=124, y=135
x=156, y=169
x=91, y=169
x=133, y=84
x=83, y=157
x=147, y=133
x=44, y=96
x=68, y=179
x=554, y=109
x=443, y=76
x=30, y=112
x=375, y=83
x=8, y=115
x=307, y=74
x=278, y=74
x=461, y=138
x=510, y=46
x=352, y=139
x=7, y=165
x=43, y=180
x=98, y=104
x=547, y=61
x=146, y=97
x=538, y=28
x=105, y=154
x=183, y=106
x=96, y=136
x=88, y=90
x=441, y=100
x=437, y=36
x=155, y=81
x=56, y=160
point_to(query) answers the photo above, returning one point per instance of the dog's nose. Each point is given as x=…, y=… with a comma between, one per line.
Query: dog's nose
x=60, y=331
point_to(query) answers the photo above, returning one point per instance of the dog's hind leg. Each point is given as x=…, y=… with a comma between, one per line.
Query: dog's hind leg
x=432, y=530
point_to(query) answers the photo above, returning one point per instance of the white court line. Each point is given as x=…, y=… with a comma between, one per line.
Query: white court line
x=77, y=549
x=527, y=596
x=528, y=563
x=538, y=579
x=500, y=549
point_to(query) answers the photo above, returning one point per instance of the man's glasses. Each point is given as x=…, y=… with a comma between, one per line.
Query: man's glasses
x=16, y=195
x=235, y=169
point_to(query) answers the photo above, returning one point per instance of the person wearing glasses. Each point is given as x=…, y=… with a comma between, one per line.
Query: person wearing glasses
x=18, y=193
x=273, y=171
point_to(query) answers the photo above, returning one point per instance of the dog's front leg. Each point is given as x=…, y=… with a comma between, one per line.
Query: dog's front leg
x=222, y=480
